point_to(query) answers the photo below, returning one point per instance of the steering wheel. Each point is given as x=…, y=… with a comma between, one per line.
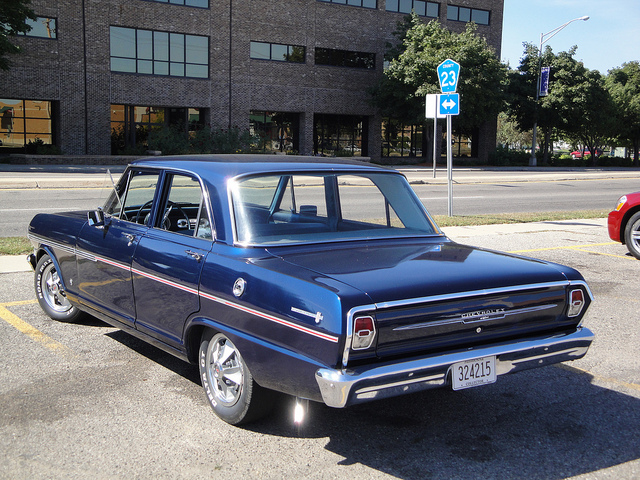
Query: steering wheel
x=166, y=223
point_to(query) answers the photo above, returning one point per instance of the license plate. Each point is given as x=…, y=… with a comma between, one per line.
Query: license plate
x=473, y=373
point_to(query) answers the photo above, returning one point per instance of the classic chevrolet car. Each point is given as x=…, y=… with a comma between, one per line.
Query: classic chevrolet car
x=322, y=279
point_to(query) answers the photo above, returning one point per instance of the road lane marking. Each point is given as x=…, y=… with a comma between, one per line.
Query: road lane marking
x=30, y=331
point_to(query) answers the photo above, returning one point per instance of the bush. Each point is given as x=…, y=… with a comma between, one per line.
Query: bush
x=38, y=147
x=504, y=157
x=170, y=140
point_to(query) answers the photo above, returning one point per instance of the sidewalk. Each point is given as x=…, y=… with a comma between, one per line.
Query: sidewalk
x=73, y=176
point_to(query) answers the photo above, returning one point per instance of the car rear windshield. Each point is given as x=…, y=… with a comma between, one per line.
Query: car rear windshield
x=308, y=208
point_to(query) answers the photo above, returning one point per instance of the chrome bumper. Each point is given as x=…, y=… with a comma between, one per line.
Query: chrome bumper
x=341, y=388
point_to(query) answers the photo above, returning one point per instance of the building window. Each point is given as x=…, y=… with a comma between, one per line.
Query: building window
x=420, y=7
x=464, y=144
x=464, y=14
x=277, y=52
x=42, y=27
x=153, y=52
x=277, y=131
x=354, y=3
x=400, y=140
x=345, y=58
x=25, y=121
x=340, y=135
x=131, y=124
x=186, y=3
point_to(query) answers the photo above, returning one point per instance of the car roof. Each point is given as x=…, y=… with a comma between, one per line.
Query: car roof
x=232, y=165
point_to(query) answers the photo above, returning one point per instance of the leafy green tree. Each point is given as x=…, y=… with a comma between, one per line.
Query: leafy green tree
x=623, y=84
x=412, y=73
x=577, y=103
x=13, y=17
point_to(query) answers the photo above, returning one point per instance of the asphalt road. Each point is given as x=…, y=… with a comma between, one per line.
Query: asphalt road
x=24, y=193
x=88, y=401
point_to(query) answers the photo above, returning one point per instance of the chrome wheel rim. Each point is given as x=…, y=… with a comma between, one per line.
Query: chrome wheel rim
x=635, y=236
x=52, y=290
x=225, y=370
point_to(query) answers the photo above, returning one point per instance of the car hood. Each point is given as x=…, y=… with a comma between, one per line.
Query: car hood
x=390, y=271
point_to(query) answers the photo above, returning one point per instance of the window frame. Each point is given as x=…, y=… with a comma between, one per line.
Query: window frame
x=413, y=9
x=289, y=54
x=342, y=58
x=472, y=11
x=31, y=23
x=353, y=3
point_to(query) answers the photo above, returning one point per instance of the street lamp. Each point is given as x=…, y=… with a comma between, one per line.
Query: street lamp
x=544, y=37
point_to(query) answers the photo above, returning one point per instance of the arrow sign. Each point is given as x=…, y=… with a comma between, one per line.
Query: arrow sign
x=448, y=74
x=449, y=104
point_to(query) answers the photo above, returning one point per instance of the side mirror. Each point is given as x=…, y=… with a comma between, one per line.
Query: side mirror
x=96, y=218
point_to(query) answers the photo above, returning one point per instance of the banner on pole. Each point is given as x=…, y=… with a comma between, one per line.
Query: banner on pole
x=544, y=81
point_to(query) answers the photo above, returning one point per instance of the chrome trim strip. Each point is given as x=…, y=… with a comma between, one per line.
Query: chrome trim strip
x=485, y=318
x=472, y=293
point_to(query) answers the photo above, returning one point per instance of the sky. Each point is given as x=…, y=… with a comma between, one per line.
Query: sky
x=608, y=39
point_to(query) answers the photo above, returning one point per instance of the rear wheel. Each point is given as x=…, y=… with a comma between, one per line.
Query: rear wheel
x=228, y=384
x=632, y=235
x=50, y=292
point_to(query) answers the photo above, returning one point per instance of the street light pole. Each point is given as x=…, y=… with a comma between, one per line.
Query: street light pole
x=533, y=160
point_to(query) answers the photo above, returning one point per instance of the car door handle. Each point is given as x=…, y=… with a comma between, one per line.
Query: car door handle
x=130, y=237
x=193, y=254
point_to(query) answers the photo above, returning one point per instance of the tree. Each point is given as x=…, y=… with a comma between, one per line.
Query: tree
x=623, y=85
x=577, y=103
x=412, y=73
x=13, y=17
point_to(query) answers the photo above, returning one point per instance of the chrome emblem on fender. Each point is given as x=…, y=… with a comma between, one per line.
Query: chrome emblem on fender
x=239, y=287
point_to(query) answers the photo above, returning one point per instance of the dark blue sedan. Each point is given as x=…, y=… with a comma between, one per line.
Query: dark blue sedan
x=322, y=279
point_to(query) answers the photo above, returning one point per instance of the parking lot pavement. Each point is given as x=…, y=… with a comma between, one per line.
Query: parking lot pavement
x=87, y=400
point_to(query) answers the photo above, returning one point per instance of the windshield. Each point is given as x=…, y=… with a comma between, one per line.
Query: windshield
x=304, y=208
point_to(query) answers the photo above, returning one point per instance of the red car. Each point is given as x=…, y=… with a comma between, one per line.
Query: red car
x=578, y=153
x=624, y=223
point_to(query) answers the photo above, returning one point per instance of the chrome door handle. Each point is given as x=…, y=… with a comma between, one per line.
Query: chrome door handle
x=193, y=254
x=130, y=237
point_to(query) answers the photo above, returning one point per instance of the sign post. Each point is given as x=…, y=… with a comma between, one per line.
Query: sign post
x=449, y=104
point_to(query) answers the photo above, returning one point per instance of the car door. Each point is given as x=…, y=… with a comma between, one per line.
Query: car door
x=168, y=261
x=105, y=251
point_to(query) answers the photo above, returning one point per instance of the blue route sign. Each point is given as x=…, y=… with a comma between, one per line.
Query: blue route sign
x=448, y=74
x=449, y=104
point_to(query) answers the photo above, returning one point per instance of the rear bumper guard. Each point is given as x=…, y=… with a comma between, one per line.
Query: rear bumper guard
x=341, y=388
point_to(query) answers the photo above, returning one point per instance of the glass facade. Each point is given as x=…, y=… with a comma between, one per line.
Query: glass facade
x=340, y=135
x=24, y=121
x=400, y=140
x=420, y=7
x=277, y=131
x=152, y=52
x=277, y=52
x=131, y=124
x=354, y=3
x=464, y=14
x=42, y=27
x=345, y=58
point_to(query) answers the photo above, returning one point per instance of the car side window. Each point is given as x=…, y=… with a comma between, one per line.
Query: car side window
x=184, y=209
x=135, y=203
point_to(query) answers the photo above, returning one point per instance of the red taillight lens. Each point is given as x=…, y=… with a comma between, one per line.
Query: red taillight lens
x=364, y=331
x=576, y=303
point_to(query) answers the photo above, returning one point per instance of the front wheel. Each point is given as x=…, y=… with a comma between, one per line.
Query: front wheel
x=632, y=235
x=50, y=292
x=227, y=382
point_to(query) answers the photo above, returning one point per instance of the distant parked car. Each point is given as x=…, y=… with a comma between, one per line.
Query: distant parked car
x=624, y=222
x=578, y=153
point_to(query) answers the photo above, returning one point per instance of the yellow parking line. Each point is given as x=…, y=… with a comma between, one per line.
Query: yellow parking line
x=570, y=368
x=30, y=331
x=570, y=247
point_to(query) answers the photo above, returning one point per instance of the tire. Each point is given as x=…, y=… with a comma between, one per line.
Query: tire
x=228, y=384
x=632, y=235
x=51, y=295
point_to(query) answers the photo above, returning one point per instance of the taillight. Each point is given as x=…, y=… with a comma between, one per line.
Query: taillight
x=576, y=302
x=364, y=331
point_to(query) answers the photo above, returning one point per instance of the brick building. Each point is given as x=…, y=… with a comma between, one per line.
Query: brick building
x=93, y=73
